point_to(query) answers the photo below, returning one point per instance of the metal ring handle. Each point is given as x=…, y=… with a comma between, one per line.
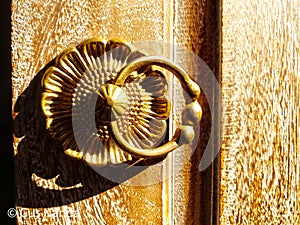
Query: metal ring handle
x=193, y=108
x=85, y=93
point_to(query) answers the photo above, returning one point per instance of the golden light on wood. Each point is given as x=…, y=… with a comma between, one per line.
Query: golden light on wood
x=42, y=29
x=260, y=164
x=38, y=37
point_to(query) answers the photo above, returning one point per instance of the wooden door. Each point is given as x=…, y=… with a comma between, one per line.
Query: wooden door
x=257, y=52
x=40, y=31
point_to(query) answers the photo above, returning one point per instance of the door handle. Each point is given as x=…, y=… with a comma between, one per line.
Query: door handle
x=107, y=103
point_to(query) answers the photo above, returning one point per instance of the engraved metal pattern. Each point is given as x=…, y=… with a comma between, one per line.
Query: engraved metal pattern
x=106, y=103
x=192, y=112
x=85, y=73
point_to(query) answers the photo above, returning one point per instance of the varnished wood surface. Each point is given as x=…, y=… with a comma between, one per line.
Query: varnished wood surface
x=261, y=110
x=260, y=86
x=40, y=31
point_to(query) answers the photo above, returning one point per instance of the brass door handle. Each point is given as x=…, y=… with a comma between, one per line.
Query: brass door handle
x=107, y=103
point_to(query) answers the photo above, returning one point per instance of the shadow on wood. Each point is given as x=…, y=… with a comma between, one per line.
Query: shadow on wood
x=38, y=153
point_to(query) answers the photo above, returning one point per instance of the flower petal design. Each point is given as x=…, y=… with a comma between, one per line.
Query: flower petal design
x=79, y=100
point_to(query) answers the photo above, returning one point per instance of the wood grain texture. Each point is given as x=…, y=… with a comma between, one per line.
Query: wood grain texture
x=196, y=26
x=41, y=30
x=260, y=167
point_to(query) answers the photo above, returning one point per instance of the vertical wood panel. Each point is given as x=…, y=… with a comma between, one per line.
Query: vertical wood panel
x=197, y=27
x=261, y=110
x=42, y=29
